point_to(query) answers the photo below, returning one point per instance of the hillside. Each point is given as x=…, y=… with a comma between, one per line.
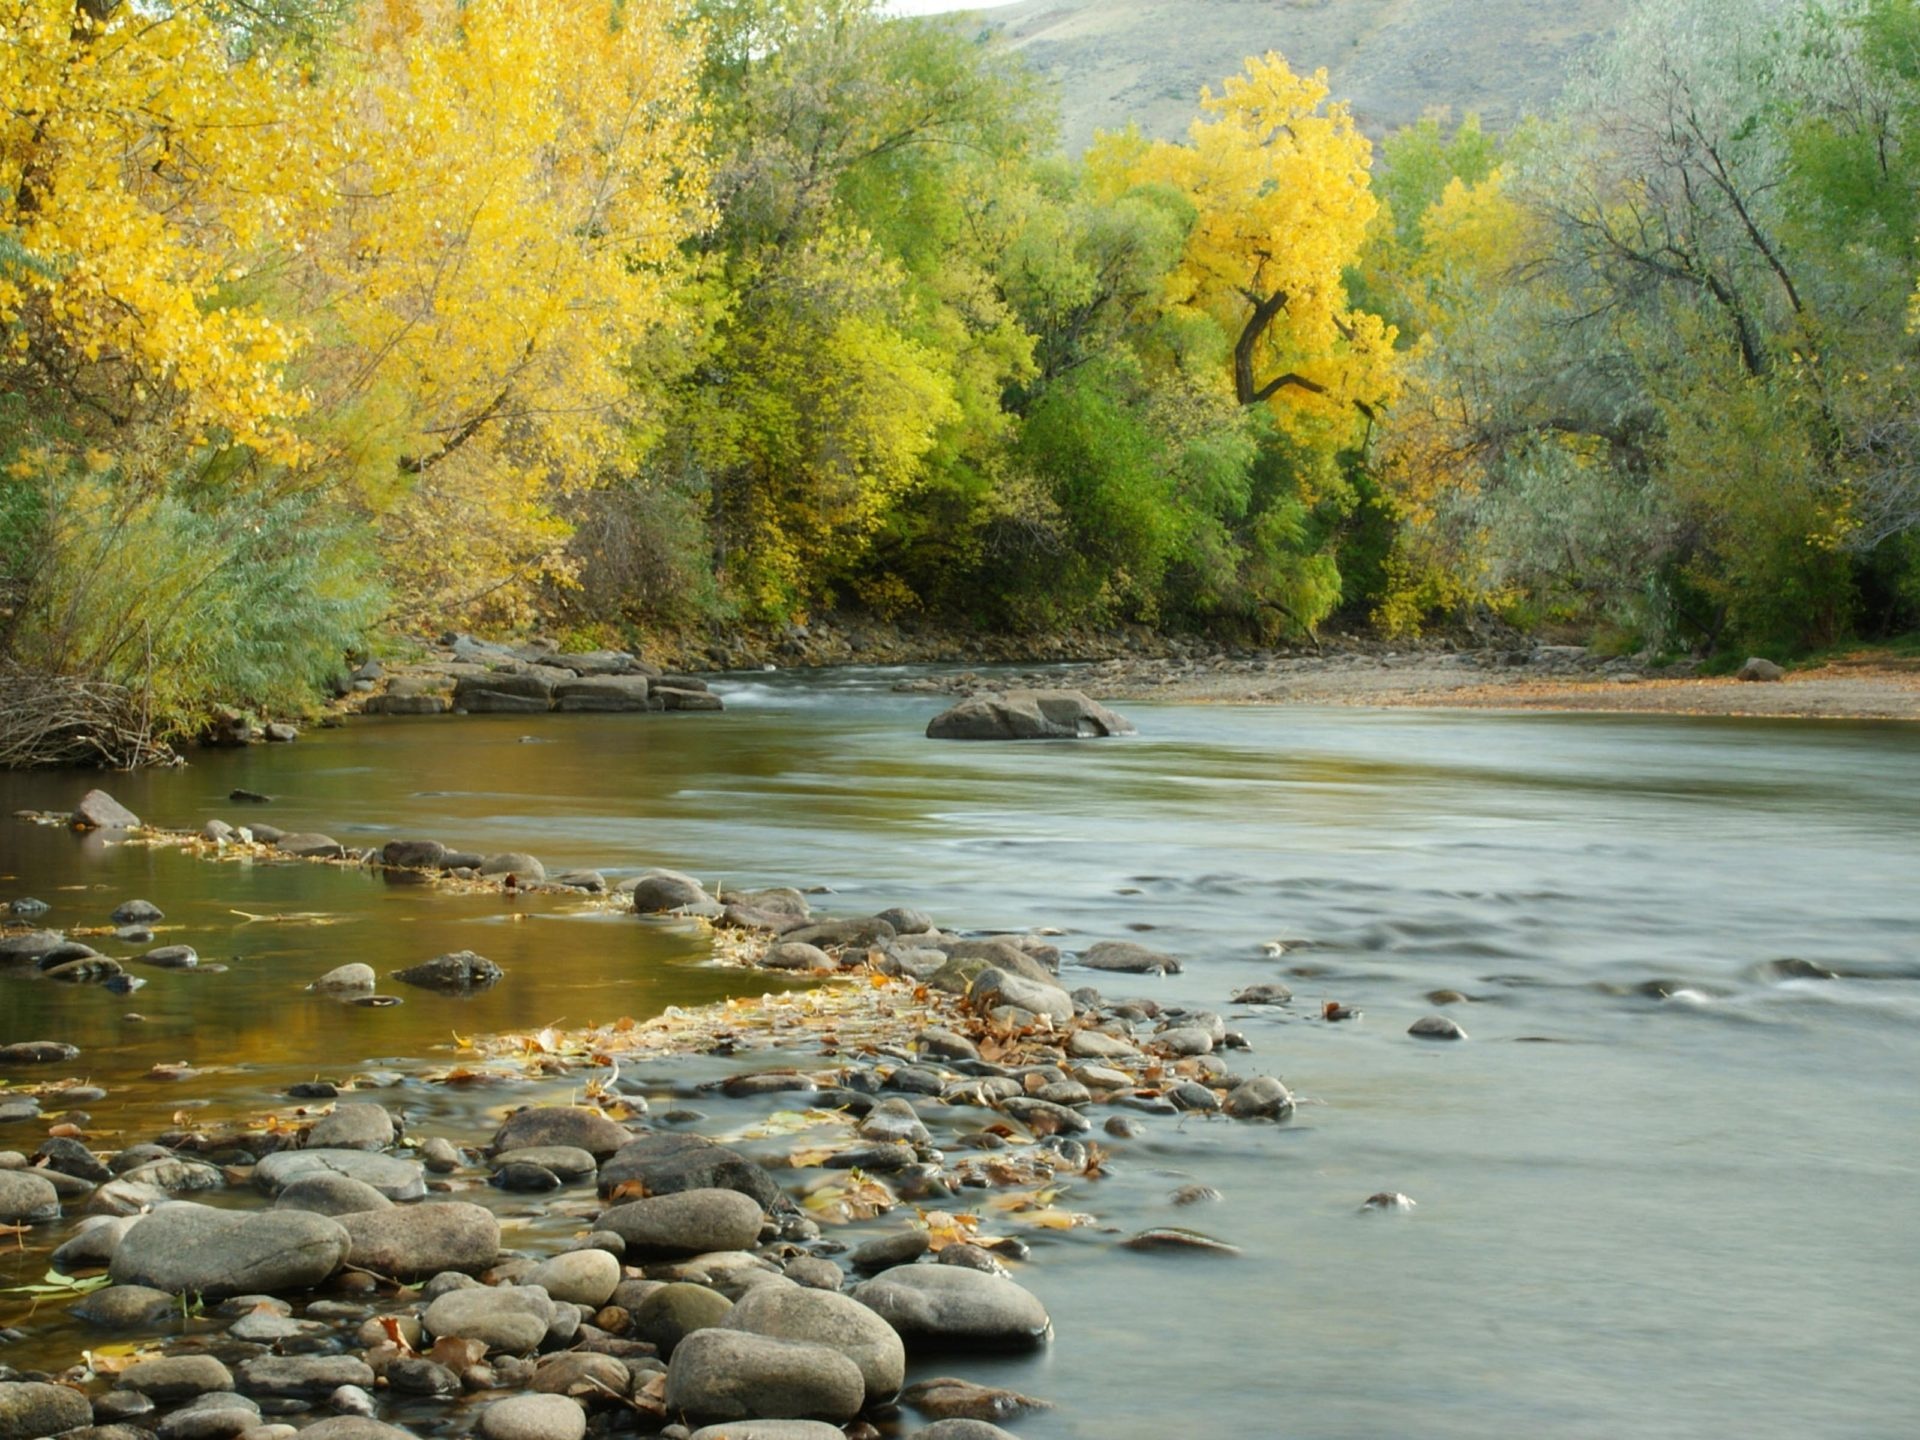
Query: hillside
x=1144, y=61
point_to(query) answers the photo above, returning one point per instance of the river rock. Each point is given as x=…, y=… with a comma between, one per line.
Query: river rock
x=503, y=693
x=327, y=1193
x=1268, y=994
x=1757, y=668
x=126, y=1307
x=770, y=1430
x=1436, y=1027
x=408, y=1241
x=454, y=973
x=894, y=1120
x=658, y=891
x=136, y=912
x=666, y=1316
x=1027, y=715
x=303, y=1377
x=30, y=946
x=602, y=693
x=176, y=1377
x=86, y=969
x=935, y=1306
x=172, y=957
x=787, y=1311
x=513, y=1319
x=98, y=810
x=579, y=1277
x=665, y=1164
x=309, y=845
x=563, y=1125
x=680, y=696
x=960, y=1429
x=352, y=1126
x=1262, y=1098
x=38, y=1052
x=725, y=1375
x=583, y=1374
x=30, y=1410
x=91, y=1246
x=354, y=979
x=27, y=1199
x=568, y=1163
x=176, y=1175
x=69, y=1157
x=946, y=1398
x=533, y=1417
x=1126, y=958
x=688, y=1222
x=413, y=854
x=351, y=1427
x=393, y=1177
x=186, y=1248
x=796, y=955
x=993, y=988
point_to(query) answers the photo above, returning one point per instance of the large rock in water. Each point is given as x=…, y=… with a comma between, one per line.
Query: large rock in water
x=393, y=1177
x=1027, y=715
x=689, y=1222
x=27, y=1199
x=186, y=1248
x=570, y=1125
x=666, y=1164
x=721, y=1375
x=98, y=810
x=938, y=1306
x=29, y=1410
x=454, y=973
x=406, y=1241
x=787, y=1311
x=607, y=693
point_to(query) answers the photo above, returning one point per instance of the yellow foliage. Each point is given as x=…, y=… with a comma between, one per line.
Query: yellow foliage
x=1278, y=181
x=509, y=184
x=141, y=170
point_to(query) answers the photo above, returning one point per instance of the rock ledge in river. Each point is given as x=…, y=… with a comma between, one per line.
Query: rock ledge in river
x=1027, y=715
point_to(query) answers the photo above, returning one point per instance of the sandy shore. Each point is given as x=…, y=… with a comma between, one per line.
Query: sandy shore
x=1865, y=689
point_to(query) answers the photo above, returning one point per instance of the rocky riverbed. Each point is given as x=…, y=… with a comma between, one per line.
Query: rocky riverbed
x=757, y=1254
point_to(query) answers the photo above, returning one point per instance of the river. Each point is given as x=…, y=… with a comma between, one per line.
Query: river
x=1667, y=1187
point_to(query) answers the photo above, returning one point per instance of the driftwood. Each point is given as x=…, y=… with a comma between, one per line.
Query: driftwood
x=50, y=720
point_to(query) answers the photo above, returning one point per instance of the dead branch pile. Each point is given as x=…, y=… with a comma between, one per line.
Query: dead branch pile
x=48, y=720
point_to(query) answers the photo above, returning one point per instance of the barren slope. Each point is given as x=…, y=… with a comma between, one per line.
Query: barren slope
x=1144, y=61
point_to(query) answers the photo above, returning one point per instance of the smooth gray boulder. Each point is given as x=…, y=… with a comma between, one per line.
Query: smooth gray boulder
x=725, y=1375
x=311, y=845
x=410, y=1241
x=946, y=1306
x=786, y=1311
x=1027, y=715
x=533, y=1417
x=354, y=979
x=185, y=1248
x=1759, y=669
x=303, y=1377
x=1436, y=1027
x=770, y=1430
x=666, y=1316
x=91, y=1245
x=353, y=1125
x=354, y=1427
x=566, y=1125
x=98, y=810
x=30, y=1410
x=959, y=1429
x=510, y=1318
x=27, y=1198
x=666, y=1163
x=1261, y=1098
x=993, y=988
x=393, y=1177
x=413, y=854
x=1127, y=958
x=658, y=891
x=688, y=1222
x=326, y=1193
x=579, y=1277
x=176, y=1377
x=568, y=1162
x=126, y=1307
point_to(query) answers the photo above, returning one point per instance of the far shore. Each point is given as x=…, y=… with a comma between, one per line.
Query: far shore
x=1846, y=690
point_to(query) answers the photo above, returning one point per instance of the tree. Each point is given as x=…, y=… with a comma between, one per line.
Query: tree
x=1278, y=181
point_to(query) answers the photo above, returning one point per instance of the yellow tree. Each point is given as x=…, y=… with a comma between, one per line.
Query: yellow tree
x=511, y=182
x=1278, y=181
x=141, y=173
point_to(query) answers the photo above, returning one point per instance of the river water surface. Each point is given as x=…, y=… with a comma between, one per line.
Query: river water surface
x=1667, y=1187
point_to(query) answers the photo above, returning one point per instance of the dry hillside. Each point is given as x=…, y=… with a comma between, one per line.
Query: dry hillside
x=1144, y=61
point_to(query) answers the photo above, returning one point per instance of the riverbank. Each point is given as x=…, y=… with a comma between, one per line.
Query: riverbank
x=785, y=1253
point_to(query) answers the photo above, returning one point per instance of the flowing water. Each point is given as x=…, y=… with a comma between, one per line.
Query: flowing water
x=1667, y=1188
